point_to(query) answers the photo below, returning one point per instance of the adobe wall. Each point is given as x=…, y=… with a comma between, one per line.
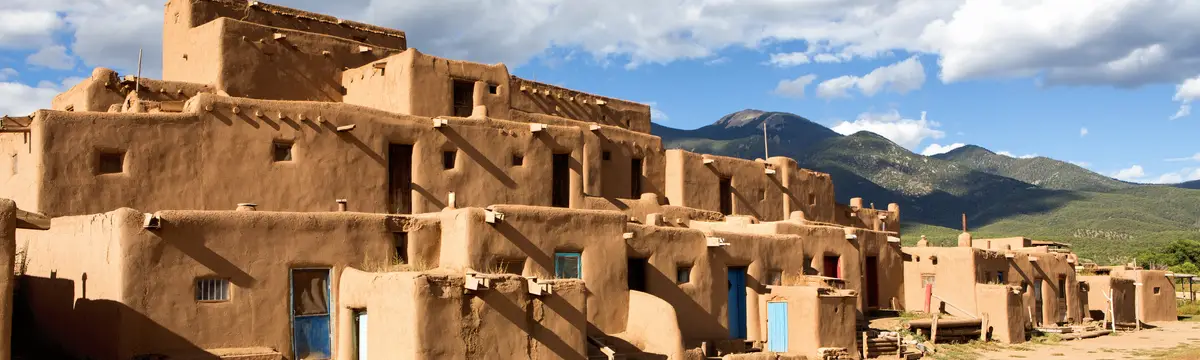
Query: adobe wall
x=95, y=93
x=954, y=274
x=1156, y=294
x=653, y=328
x=692, y=183
x=1122, y=291
x=534, y=234
x=20, y=160
x=805, y=190
x=411, y=313
x=223, y=156
x=1002, y=307
x=8, y=251
x=1049, y=267
x=817, y=318
x=540, y=98
x=75, y=283
x=232, y=46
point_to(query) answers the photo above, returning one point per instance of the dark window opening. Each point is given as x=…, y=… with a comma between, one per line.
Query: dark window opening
x=635, y=182
x=1062, y=287
x=518, y=160
x=464, y=97
x=110, y=162
x=400, y=240
x=809, y=269
x=637, y=274
x=282, y=151
x=812, y=199
x=493, y=89
x=726, y=194
x=775, y=277
x=606, y=156
x=448, y=158
x=400, y=178
x=560, y=182
x=510, y=266
x=1157, y=290
x=1000, y=277
x=762, y=194
x=683, y=274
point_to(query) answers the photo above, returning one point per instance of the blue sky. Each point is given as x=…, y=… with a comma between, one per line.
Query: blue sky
x=1026, y=78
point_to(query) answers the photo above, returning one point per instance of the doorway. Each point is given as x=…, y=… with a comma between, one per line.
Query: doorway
x=832, y=267
x=737, y=303
x=400, y=178
x=560, y=182
x=360, y=334
x=1037, y=302
x=726, y=193
x=310, y=314
x=871, y=289
x=637, y=274
x=1061, y=299
x=777, y=327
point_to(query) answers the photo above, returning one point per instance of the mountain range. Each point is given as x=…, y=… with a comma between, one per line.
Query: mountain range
x=1106, y=220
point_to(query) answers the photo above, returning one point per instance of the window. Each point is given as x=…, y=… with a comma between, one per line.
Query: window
x=636, y=273
x=1000, y=277
x=606, y=156
x=635, y=181
x=510, y=266
x=812, y=199
x=762, y=194
x=567, y=265
x=832, y=266
x=212, y=289
x=927, y=280
x=775, y=277
x=400, y=241
x=560, y=181
x=1157, y=290
x=1062, y=287
x=518, y=160
x=493, y=89
x=283, y=151
x=725, y=191
x=448, y=158
x=808, y=266
x=683, y=274
x=110, y=162
x=464, y=97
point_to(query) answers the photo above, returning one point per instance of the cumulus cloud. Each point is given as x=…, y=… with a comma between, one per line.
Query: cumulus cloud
x=909, y=133
x=25, y=28
x=1137, y=174
x=934, y=149
x=789, y=59
x=1189, y=158
x=54, y=57
x=7, y=73
x=794, y=88
x=1185, y=93
x=1009, y=154
x=1083, y=132
x=656, y=114
x=1132, y=173
x=901, y=77
x=18, y=99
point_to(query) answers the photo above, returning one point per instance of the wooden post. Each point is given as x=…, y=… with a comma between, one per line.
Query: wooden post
x=1111, y=309
x=983, y=331
x=766, y=148
x=1190, y=291
x=864, y=340
x=899, y=346
x=1137, y=307
x=933, y=330
x=964, y=215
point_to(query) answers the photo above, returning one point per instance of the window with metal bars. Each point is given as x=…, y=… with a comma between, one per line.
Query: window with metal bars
x=212, y=289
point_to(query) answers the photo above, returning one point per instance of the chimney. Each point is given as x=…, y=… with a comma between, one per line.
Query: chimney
x=341, y=205
x=246, y=206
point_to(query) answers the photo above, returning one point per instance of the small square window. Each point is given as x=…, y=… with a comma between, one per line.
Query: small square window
x=212, y=289
x=110, y=162
x=567, y=265
x=448, y=158
x=493, y=89
x=775, y=277
x=762, y=194
x=1157, y=290
x=518, y=160
x=683, y=274
x=282, y=151
x=812, y=199
x=606, y=155
x=1000, y=277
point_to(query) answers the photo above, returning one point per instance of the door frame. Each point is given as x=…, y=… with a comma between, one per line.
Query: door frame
x=329, y=301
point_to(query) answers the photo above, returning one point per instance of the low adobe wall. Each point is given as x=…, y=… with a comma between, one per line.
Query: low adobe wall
x=1155, y=295
x=1122, y=292
x=8, y=243
x=816, y=318
x=652, y=331
x=1002, y=307
x=540, y=98
x=428, y=315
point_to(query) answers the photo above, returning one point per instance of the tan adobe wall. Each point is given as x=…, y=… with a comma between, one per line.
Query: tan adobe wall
x=652, y=329
x=541, y=98
x=411, y=315
x=221, y=157
x=151, y=288
x=97, y=92
x=8, y=248
x=692, y=183
x=805, y=190
x=1155, y=305
x=419, y=84
x=533, y=235
x=221, y=43
x=75, y=283
x=817, y=318
x=1002, y=307
x=953, y=270
x=20, y=160
x=1122, y=291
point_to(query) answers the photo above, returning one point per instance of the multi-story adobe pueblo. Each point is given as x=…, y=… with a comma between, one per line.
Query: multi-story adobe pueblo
x=299, y=186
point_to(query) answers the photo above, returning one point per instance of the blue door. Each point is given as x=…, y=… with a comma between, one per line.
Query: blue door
x=777, y=327
x=567, y=265
x=310, y=314
x=737, y=302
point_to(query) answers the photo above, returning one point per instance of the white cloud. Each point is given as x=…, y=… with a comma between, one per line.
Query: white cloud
x=656, y=114
x=827, y=58
x=901, y=77
x=1137, y=174
x=27, y=28
x=7, y=73
x=1009, y=154
x=908, y=133
x=789, y=59
x=54, y=57
x=794, y=88
x=1185, y=93
x=717, y=61
x=1133, y=173
x=1189, y=158
x=18, y=99
x=1083, y=132
x=934, y=149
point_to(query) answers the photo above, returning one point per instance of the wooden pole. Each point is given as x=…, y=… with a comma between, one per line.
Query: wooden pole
x=766, y=148
x=983, y=330
x=933, y=330
x=964, y=220
x=137, y=83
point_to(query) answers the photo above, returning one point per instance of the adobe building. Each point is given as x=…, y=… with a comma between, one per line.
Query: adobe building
x=521, y=218
x=1139, y=295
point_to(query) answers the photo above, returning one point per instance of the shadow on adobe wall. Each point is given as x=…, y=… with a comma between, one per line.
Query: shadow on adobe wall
x=50, y=323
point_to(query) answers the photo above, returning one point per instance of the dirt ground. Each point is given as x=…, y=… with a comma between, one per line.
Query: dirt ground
x=1169, y=340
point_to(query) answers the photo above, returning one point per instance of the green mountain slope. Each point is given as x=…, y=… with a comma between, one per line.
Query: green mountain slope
x=1106, y=220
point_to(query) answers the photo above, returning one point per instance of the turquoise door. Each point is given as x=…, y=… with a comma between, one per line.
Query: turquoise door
x=777, y=327
x=310, y=314
x=737, y=303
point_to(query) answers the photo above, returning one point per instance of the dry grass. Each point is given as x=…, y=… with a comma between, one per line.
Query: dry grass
x=392, y=263
x=1181, y=352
